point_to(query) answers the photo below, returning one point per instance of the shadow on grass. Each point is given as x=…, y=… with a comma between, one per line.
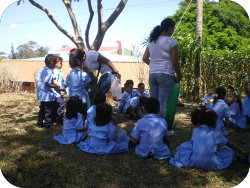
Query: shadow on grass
x=31, y=158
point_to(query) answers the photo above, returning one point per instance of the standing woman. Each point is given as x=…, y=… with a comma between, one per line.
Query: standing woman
x=162, y=57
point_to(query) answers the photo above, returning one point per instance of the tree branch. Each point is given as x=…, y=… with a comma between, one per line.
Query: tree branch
x=76, y=28
x=103, y=27
x=115, y=14
x=91, y=15
x=53, y=20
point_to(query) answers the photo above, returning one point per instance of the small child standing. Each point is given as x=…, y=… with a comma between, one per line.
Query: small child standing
x=77, y=81
x=102, y=138
x=246, y=101
x=206, y=149
x=236, y=114
x=45, y=94
x=150, y=131
x=59, y=81
x=128, y=104
x=73, y=123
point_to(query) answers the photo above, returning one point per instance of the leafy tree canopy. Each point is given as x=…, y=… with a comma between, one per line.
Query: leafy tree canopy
x=30, y=49
x=225, y=25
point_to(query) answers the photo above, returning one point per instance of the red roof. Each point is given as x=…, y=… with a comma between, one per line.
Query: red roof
x=102, y=49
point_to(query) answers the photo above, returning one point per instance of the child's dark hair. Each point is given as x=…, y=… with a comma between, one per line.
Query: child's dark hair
x=166, y=24
x=103, y=114
x=99, y=98
x=74, y=105
x=76, y=57
x=126, y=85
x=221, y=93
x=58, y=58
x=231, y=88
x=202, y=116
x=130, y=82
x=141, y=84
x=152, y=105
x=50, y=58
x=239, y=101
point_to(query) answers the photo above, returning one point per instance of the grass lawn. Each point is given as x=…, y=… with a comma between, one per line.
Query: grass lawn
x=30, y=158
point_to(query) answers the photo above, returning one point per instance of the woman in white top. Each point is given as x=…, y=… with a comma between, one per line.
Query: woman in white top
x=93, y=60
x=161, y=56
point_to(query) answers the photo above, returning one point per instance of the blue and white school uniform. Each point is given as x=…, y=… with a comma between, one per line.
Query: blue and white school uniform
x=58, y=76
x=222, y=111
x=45, y=93
x=150, y=131
x=236, y=117
x=136, y=93
x=91, y=113
x=246, y=106
x=98, y=140
x=208, y=100
x=70, y=127
x=76, y=82
x=126, y=101
x=205, y=150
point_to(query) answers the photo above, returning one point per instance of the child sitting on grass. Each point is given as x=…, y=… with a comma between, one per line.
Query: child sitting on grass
x=246, y=101
x=129, y=104
x=102, y=137
x=91, y=113
x=237, y=119
x=150, y=131
x=206, y=149
x=73, y=122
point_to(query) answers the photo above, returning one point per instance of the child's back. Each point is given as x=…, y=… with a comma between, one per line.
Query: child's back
x=102, y=138
x=150, y=131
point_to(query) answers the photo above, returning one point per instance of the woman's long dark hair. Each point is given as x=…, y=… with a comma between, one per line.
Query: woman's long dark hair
x=103, y=114
x=166, y=24
x=76, y=57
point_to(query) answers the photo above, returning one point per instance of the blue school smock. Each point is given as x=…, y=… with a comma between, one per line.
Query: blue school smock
x=126, y=101
x=70, y=127
x=246, y=106
x=45, y=93
x=91, y=113
x=236, y=116
x=205, y=150
x=58, y=76
x=222, y=111
x=136, y=93
x=76, y=82
x=98, y=140
x=150, y=131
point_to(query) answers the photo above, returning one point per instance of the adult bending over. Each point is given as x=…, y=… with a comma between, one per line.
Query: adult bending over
x=162, y=57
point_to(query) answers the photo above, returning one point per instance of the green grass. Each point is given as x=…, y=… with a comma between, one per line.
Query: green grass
x=30, y=158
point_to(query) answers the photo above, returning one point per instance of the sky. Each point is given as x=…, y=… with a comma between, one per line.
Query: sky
x=23, y=23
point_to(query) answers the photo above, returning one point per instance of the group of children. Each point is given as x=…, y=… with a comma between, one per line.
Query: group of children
x=91, y=127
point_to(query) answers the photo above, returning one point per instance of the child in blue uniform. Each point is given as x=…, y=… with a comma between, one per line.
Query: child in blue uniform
x=102, y=138
x=140, y=91
x=73, y=130
x=59, y=81
x=206, y=149
x=221, y=109
x=209, y=96
x=77, y=81
x=150, y=131
x=246, y=101
x=236, y=114
x=45, y=94
x=91, y=113
x=128, y=103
